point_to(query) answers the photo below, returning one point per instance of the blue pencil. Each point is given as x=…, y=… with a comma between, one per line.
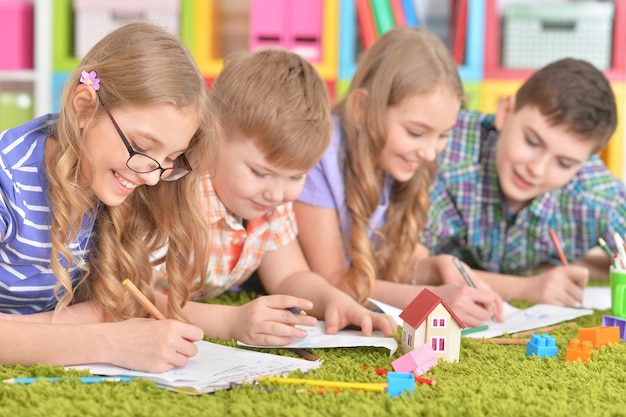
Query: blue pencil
x=83, y=379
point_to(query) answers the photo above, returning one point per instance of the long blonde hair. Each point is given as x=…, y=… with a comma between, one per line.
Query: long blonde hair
x=142, y=64
x=403, y=62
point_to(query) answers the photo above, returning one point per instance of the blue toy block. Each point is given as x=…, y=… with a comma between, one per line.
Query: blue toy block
x=398, y=382
x=541, y=345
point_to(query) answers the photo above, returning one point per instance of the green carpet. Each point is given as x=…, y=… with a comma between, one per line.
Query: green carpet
x=488, y=380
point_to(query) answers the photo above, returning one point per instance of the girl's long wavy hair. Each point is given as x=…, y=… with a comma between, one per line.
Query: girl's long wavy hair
x=138, y=64
x=404, y=62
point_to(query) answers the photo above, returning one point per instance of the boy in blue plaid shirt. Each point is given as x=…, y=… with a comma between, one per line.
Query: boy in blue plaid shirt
x=505, y=180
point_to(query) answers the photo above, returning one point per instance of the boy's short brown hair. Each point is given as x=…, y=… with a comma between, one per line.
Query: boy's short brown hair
x=575, y=94
x=278, y=99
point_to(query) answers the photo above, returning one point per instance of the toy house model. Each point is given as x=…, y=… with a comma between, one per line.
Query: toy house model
x=428, y=319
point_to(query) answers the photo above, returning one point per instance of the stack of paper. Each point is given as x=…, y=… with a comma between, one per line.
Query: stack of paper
x=214, y=367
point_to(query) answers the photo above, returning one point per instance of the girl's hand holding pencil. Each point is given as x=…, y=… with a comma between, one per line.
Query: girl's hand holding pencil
x=559, y=285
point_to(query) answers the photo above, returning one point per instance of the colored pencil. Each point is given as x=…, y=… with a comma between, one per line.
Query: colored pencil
x=361, y=386
x=467, y=278
x=419, y=379
x=504, y=341
x=621, y=253
x=548, y=329
x=83, y=379
x=557, y=246
x=476, y=329
x=605, y=247
x=143, y=300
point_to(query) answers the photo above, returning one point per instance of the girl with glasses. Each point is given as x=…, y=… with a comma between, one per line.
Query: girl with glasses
x=90, y=193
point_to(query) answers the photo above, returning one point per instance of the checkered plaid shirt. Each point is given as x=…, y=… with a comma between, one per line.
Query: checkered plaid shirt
x=469, y=219
x=231, y=240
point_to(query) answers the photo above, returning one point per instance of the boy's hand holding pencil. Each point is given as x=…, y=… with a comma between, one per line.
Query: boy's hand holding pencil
x=271, y=320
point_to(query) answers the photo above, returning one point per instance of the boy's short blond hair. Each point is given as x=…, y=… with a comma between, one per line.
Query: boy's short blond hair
x=278, y=99
x=574, y=94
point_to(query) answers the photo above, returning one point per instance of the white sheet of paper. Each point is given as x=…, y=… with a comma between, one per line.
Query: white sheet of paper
x=598, y=298
x=515, y=319
x=389, y=309
x=214, y=367
x=539, y=315
x=317, y=338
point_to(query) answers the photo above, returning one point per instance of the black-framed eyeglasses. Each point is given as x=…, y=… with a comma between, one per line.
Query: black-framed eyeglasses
x=143, y=164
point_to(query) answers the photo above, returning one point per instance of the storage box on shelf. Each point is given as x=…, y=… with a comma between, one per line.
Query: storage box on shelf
x=96, y=18
x=64, y=57
x=493, y=68
x=293, y=25
x=537, y=34
x=16, y=35
x=208, y=43
x=500, y=80
x=25, y=60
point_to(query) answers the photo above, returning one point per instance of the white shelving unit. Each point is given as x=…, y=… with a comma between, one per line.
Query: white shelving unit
x=37, y=81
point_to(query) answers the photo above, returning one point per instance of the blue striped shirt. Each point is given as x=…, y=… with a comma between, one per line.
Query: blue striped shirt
x=26, y=280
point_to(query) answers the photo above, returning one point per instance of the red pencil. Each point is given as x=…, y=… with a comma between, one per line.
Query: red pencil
x=419, y=379
x=557, y=245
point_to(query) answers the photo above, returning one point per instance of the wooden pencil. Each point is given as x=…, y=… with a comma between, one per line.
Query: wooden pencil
x=557, y=246
x=143, y=300
x=548, y=329
x=503, y=341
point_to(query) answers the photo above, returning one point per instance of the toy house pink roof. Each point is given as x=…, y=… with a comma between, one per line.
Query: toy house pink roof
x=422, y=305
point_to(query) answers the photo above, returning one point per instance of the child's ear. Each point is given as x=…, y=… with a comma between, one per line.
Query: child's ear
x=360, y=102
x=84, y=102
x=506, y=106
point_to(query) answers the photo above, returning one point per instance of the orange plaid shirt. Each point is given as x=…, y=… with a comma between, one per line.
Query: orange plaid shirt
x=230, y=240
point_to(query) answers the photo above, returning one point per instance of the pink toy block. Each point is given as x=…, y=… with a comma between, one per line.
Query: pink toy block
x=305, y=29
x=418, y=361
x=16, y=35
x=268, y=23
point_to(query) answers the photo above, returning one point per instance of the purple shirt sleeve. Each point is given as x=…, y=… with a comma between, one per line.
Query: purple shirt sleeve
x=325, y=187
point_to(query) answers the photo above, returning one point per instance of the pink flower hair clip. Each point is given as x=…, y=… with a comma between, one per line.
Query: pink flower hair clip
x=90, y=79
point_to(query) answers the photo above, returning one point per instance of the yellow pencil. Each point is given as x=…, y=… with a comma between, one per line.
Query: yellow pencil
x=143, y=300
x=362, y=386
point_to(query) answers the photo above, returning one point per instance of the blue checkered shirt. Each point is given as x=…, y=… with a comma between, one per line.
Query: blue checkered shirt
x=468, y=217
